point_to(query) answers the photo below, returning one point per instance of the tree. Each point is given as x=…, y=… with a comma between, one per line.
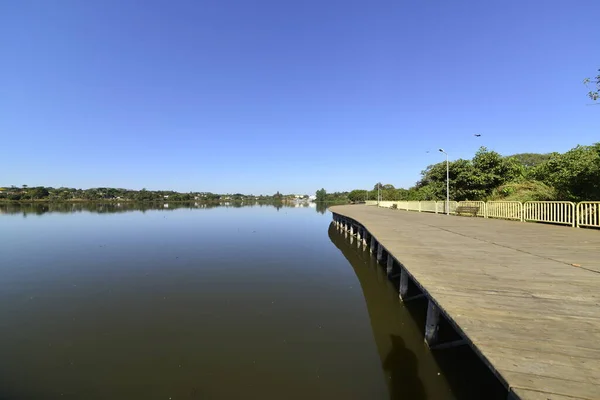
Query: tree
x=575, y=174
x=594, y=92
x=38, y=193
x=357, y=195
x=530, y=160
x=321, y=195
x=491, y=170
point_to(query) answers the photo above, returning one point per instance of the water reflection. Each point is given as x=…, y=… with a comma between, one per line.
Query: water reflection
x=321, y=207
x=218, y=304
x=411, y=370
x=40, y=208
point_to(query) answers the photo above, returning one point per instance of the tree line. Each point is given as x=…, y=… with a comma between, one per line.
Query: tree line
x=41, y=193
x=573, y=176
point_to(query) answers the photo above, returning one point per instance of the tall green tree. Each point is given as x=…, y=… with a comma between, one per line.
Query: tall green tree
x=321, y=195
x=357, y=195
x=575, y=174
x=531, y=160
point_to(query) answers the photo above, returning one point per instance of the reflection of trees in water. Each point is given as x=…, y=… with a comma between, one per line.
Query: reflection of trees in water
x=321, y=207
x=120, y=207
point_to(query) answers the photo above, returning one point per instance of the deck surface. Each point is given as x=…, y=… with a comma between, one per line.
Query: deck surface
x=511, y=288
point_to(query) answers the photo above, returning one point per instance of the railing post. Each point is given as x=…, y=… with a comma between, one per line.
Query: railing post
x=521, y=212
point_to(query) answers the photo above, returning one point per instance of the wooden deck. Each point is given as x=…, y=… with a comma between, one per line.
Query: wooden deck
x=525, y=296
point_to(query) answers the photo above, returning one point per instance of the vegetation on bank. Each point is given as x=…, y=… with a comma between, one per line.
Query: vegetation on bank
x=64, y=194
x=573, y=175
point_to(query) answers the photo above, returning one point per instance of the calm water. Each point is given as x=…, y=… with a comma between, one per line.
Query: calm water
x=107, y=301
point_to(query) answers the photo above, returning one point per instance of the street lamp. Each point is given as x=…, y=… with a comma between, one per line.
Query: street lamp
x=447, y=183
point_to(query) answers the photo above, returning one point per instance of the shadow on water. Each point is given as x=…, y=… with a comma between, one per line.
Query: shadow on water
x=413, y=371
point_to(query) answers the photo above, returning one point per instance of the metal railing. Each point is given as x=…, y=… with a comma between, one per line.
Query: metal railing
x=413, y=206
x=583, y=214
x=440, y=207
x=505, y=210
x=429, y=206
x=555, y=212
x=588, y=214
x=402, y=205
x=469, y=203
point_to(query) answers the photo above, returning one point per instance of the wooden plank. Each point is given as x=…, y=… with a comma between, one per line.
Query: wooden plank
x=552, y=387
x=510, y=288
x=527, y=394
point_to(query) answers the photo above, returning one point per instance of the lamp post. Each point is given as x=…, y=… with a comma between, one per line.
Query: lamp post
x=447, y=183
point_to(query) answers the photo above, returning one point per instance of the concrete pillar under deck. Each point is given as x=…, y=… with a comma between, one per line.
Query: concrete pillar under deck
x=390, y=264
x=379, y=252
x=403, y=283
x=373, y=245
x=351, y=229
x=432, y=324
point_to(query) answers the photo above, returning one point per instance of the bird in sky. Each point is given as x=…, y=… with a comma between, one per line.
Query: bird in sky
x=477, y=135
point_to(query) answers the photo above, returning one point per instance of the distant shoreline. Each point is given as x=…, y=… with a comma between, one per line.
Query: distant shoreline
x=4, y=201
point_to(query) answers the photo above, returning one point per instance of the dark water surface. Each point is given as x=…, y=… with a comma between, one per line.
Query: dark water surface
x=207, y=303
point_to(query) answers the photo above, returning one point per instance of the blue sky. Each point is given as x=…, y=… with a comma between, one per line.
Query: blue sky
x=266, y=95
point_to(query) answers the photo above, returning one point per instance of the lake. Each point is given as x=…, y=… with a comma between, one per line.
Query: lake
x=201, y=302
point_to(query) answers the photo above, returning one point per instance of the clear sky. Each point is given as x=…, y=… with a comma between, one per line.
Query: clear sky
x=266, y=95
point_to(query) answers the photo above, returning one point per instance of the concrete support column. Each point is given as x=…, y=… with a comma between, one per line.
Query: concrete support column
x=379, y=252
x=373, y=244
x=432, y=324
x=403, y=292
x=390, y=265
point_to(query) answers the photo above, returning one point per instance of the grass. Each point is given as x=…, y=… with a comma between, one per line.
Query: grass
x=524, y=191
